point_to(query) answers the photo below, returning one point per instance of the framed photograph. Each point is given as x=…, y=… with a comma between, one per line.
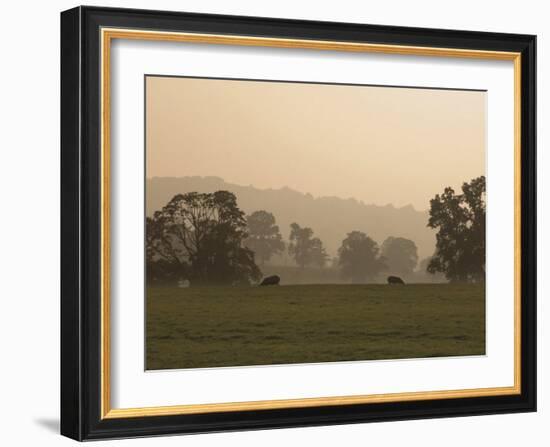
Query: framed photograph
x=276, y=223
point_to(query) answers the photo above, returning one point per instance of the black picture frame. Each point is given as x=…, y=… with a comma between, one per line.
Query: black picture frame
x=81, y=223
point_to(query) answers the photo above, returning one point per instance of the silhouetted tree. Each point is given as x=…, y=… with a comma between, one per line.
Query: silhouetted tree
x=164, y=262
x=264, y=238
x=203, y=234
x=306, y=249
x=319, y=256
x=164, y=272
x=460, y=240
x=359, y=257
x=423, y=270
x=401, y=255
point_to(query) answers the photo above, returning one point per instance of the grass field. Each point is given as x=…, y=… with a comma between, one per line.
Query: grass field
x=214, y=326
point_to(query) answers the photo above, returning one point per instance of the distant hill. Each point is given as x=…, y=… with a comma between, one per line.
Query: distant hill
x=329, y=217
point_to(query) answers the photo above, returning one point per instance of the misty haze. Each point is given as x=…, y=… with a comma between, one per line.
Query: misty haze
x=298, y=223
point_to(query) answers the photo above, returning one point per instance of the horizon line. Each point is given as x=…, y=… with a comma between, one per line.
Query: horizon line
x=362, y=202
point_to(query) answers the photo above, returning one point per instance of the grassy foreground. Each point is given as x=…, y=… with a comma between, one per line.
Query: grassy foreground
x=233, y=326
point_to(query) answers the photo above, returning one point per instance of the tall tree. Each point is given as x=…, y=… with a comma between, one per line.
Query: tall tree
x=306, y=249
x=460, y=239
x=401, y=255
x=164, y=262
x=203, y=232
x=359, y=257
x=426, y=275
x=264, y=237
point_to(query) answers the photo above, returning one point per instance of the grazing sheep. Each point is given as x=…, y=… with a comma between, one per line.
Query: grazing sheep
x=271, y=281
x=395, y=280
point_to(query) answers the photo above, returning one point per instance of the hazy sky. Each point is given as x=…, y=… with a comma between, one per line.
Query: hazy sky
x=377, y=144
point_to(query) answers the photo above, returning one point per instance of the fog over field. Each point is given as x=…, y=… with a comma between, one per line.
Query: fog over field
x=335, y=158
x=330, y=217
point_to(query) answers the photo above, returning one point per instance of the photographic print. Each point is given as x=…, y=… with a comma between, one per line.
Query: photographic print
x=293, y=222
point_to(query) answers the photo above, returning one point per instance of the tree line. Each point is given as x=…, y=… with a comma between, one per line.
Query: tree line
x=206, y=239
x=359, y=257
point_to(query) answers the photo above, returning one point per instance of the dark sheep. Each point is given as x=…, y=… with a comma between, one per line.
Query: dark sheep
x=271, y=281
x=395, y=280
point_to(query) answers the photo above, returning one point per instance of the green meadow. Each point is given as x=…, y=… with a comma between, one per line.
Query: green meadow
x=234, y=326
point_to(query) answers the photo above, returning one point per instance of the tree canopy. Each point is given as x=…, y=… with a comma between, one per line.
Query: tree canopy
x=201, y=235
x=460, y=239
x=306, y=249
x=359, y=257
x=264, y=237
x=426, y=275
x=401, y=255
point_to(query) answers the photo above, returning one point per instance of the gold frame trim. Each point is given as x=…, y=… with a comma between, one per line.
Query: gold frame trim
x=107, y=35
